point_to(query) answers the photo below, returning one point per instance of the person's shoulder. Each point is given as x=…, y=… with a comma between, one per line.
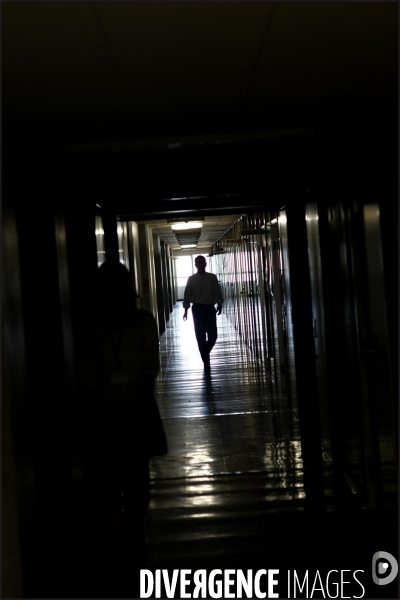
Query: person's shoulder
x=144, y=316
x=140, y=320
x=212, y=275
x=146, y=323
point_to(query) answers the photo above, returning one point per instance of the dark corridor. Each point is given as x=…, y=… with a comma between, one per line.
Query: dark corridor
x=274, y=126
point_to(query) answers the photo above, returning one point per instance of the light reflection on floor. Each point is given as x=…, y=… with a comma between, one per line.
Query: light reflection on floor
x=230, y=493
x=233, y=448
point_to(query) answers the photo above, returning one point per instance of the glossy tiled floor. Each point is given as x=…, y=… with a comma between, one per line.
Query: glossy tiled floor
x=230, y=492
x=234, y=453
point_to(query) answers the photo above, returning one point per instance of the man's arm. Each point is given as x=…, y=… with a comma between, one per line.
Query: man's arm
x=186, y=298
x=218, y=295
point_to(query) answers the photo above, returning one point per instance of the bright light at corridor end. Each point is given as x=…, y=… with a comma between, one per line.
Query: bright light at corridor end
x=191, y=225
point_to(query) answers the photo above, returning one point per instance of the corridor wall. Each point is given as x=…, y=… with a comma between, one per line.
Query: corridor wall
x=346, y=364
x=357, y=392
x=248, y=279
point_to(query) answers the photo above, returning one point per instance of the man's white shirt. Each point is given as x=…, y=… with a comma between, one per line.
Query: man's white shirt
x=202, y=289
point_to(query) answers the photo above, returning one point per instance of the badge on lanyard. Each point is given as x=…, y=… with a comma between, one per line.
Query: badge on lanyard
x=118, y=376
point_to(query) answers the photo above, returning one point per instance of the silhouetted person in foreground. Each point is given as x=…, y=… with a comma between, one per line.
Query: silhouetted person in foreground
x=203, y=292
x=122, y=430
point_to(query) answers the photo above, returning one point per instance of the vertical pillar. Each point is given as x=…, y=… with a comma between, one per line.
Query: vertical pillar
x=49, y=353
x=306, y=372
x=110, y=234
x=173, y=279
x=18, y=500
x=82, y=261
x=135, y=264
x=39, y=369
x=159, y=283
x=166, y=283
x=170, y=279
x=281, y=372
x=131, y=255
x=148, y=281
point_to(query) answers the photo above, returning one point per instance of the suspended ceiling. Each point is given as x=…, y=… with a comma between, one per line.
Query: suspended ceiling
x=216, y=100
x=213, y=228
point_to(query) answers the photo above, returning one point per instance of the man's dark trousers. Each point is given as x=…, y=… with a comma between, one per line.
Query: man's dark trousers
x=205, y=327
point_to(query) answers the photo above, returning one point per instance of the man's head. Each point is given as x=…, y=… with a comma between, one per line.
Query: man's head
x=200, y=263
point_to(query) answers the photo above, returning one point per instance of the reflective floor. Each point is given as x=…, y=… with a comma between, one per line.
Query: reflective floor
x=230, y=492
x=234, y=453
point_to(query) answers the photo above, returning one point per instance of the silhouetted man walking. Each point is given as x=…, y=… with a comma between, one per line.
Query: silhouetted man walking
x=203, y=291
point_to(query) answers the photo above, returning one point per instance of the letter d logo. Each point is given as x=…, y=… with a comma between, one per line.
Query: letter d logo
x=385, y=559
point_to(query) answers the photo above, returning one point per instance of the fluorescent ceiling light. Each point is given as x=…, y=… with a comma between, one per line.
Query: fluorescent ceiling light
x=189, y=246
x=183, y=226
x=176, y=220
